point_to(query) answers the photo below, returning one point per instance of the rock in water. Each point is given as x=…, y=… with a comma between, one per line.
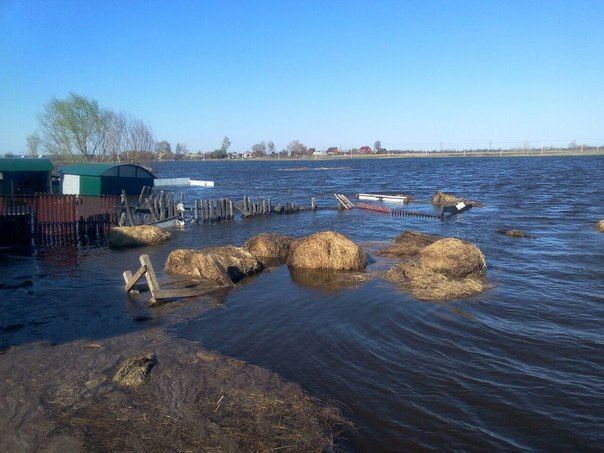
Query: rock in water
x=600, y=226
x=408, y=244
x=135, y=370
x=237, y=262
x=269, y=248
x=327, y=250
x=137, y=236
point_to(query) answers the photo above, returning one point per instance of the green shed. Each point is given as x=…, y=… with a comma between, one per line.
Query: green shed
x=25, y=175
x=105, y=179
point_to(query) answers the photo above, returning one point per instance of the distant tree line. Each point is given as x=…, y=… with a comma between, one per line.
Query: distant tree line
x=77, y=128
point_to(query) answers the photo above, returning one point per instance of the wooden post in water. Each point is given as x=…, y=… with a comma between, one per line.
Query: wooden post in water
x=313, y=204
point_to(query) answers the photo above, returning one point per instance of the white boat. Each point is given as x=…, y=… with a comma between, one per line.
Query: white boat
x=388, y=197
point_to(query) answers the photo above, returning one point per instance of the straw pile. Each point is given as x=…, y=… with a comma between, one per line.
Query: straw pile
x=447, y=269
x=443, y=199
x=135, y=369
x=600, y=226
x=513, y=233
x=237, y=262
x=137, y=236
x=327, y=250
x=408, y=244
x=269, y=248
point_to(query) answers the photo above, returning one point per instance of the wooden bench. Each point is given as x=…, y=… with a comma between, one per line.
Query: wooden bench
x=157, y=293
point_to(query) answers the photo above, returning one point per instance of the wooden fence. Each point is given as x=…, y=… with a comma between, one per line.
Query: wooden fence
x=48, y=219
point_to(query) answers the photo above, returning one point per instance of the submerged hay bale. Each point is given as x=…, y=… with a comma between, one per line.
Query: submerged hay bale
x=600, y=226
x=327, y=250
x=513, y=233
x=427, y=285
x=269, y=248
x=135, y=369
x=443, y=199
x=137, y=236
x=408, y=244
x=453, y=258
x=449, y=268
x=237, y=262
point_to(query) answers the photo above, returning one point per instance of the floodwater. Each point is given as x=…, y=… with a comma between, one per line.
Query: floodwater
x=520, y=366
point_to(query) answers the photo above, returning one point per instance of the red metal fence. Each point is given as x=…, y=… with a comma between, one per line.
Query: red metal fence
x=54, y=218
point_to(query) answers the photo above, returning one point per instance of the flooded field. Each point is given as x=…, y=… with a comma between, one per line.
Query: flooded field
x=519, y=366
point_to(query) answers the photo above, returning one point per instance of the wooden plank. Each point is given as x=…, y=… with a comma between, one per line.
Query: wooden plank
x=224, y=279
x=150, y=276
x=128, y=209
x=131, y=280
x=151, y=208
x=164, y=294
x=141, y=197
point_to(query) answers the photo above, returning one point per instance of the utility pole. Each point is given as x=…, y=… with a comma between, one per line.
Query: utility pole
x=581, y=148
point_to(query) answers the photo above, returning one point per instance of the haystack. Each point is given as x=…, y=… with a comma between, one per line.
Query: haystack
x=134, y=370
x=513, y=233
x=453, y=258
x=137, y=236
x=443, y=199
x=269, y=248
x=600, y=226
x=327, y=250
x=447, y=269
x=408, y=244
x=427, y=285
x=237, y=262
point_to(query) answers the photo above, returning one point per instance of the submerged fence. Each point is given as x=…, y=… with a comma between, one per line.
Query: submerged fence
x=45, y=219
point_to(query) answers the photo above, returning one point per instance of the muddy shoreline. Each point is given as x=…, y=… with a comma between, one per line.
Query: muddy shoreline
x=62, y=397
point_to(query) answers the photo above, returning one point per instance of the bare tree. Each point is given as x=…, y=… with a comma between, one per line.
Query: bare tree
x=181, y=148
x=226, y=143
x=296, y=149
x=115, y=136
x=377, y=146
x=163, y=147
x=271, y=147
x=33, y=143
x=259, y=149
x=140, y=142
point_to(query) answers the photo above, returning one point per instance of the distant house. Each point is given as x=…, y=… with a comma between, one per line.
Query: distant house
x=319, y=153
x=25, y=176
x=365, y=150
x=332, y=151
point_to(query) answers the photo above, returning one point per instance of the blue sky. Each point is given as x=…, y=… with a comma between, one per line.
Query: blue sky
x=411, y=74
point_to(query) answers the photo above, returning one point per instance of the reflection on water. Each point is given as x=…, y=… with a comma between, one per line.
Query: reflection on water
x=519, y=366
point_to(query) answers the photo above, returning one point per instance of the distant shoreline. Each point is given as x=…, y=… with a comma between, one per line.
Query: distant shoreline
x=417, y=155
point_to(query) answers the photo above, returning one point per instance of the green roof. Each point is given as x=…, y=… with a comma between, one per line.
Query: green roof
x=89, y=169
x=21, y=164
